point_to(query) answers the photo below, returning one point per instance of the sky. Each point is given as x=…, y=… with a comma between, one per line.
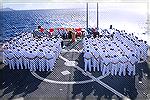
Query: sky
x=28, y=6
x=61, y=4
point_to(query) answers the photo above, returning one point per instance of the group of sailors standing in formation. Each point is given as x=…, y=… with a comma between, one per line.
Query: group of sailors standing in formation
x=111, y=52
x=27, y=52
x=114, y=52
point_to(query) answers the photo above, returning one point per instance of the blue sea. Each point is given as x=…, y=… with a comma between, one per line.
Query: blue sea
x=16, y=22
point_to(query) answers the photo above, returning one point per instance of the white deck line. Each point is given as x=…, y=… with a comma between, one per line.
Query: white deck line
x=102, y=83
x=63, y=58
x=64, y=82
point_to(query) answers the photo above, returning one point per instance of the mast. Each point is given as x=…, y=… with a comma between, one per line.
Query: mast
x=97, y=16
x=87, y=15
x=148, y=19
x=148, y=22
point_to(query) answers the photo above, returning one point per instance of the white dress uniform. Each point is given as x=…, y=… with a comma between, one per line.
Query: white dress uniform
x=5, y=53
x=11, y=60
x=95, y=59
x=145, y=50
x=138, y=53
x=35, y=60
x=55, y=50
x=131, y=66
x=100, y=57
x=102, y=54
x=87, y=60
x=18, y=57
x=53, y=60
x=15, y=58
x=23, y=58
x=49, y=61
x=58, y=46
x=31, y=58
x=114, y=65
x=40, y=55
x=141, y=51
x=20, y=41
x=106, y=66
x=26, y=60
x=123, y=62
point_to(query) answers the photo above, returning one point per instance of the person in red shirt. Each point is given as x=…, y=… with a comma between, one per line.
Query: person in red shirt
x=78, y=31
x=42, y=29
x=51, y=31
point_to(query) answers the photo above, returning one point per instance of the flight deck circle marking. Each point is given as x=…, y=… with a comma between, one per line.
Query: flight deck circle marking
x=63, y=82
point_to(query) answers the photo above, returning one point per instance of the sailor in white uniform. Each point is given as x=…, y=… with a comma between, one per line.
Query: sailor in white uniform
x=14, y=58
x=145, y=51
x=49, y=61
x=53, y=60
x=58, y=47
x=131, y=66
x=41, y=56
x=55, y=50
x=25, y=57
x=114, y=67
x=102, y=54
x=100, y=58
x=87, y=60
x=123, y=60
x=11, y=60
x=18, y=57
x=137, y=51
x=5, y=53
x=95, y=59
x=35, y=60
x=30, y=58
x=106, y=65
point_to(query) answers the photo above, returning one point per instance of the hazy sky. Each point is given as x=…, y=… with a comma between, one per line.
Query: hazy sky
x=59, y=4
x=46, y=1
x=135, y=7
x=27, y=6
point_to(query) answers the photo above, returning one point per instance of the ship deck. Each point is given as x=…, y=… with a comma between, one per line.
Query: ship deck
x=69, y=81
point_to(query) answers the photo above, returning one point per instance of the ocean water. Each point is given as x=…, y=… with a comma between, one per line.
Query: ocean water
x=15, y=22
